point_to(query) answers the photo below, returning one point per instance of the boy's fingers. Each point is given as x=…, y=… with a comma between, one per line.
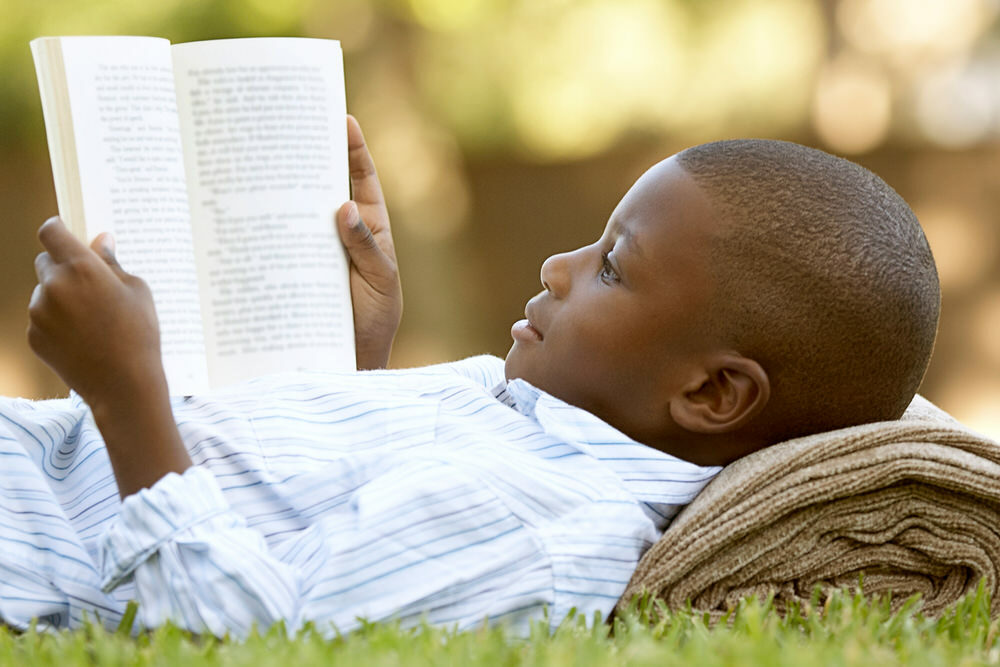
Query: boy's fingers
x=58, y=240
x=36, y=297
x=43, y=266
x=104, y=245
x=365, y=187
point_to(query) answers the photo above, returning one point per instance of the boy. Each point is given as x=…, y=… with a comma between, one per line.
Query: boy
x=742, y=292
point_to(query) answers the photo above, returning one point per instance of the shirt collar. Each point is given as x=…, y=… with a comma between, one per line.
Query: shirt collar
x=661, y=482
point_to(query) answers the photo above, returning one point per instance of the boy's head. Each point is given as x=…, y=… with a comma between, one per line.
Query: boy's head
x=743, y=292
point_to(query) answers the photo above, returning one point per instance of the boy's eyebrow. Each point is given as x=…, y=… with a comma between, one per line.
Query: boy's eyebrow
x=626, y=234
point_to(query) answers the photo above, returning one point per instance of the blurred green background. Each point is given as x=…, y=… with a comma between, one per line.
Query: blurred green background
x=507, y=130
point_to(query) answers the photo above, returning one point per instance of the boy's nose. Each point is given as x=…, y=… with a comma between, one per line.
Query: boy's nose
x=556, y=274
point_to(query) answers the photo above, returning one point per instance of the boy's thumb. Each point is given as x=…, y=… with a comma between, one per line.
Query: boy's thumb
x=359, y=240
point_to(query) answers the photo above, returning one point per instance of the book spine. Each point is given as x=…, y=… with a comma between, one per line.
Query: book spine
x=53, y=88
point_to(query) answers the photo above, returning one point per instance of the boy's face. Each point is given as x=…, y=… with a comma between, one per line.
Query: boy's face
x=620, y=320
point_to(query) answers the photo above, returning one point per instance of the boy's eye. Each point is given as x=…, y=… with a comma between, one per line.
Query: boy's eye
x=608, y=273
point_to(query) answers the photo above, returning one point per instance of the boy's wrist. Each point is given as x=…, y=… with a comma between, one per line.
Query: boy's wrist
x=132, y=392
x=140, y=434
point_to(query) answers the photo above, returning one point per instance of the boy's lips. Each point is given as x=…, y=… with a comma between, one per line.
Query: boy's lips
x=525, y=331
x=522, y=331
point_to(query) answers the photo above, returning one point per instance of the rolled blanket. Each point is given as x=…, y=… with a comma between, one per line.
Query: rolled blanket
x=912, y=505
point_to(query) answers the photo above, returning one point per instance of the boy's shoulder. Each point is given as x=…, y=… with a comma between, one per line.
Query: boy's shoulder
x=486, y=370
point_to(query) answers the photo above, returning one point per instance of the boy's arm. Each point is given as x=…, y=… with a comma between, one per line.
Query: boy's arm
x=363, y=224
x=96, y=327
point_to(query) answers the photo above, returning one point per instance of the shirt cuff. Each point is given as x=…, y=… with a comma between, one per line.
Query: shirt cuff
x=154, y=516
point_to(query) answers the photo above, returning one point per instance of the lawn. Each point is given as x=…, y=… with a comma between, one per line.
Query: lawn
x=846, y=630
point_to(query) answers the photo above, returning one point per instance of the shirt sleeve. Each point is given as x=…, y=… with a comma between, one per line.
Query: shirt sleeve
x=425, y=540
x=194, y=560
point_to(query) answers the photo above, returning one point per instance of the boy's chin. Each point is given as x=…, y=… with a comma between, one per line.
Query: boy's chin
x=515, y=365
x=510, y=363
x=520, y=365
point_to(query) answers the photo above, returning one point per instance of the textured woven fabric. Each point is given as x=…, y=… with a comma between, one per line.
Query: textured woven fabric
x=913, y=504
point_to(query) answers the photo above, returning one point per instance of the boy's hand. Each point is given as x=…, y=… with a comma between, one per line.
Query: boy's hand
x=363, y=224
x=93, y=323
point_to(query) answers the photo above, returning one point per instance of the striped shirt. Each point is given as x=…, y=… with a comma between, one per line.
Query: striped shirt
x=442, y=494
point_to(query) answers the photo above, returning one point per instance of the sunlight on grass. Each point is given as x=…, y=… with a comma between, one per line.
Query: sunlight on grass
x=845, y=630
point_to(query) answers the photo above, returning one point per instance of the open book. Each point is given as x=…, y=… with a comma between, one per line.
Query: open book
x=218, y=167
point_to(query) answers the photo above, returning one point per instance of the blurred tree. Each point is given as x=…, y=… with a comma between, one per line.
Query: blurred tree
x=506, y=129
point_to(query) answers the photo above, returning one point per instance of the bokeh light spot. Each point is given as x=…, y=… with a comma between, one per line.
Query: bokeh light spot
x=852, y=105
x=910, y=31
x=579, y=82
x=446, y=14
x=955, y=107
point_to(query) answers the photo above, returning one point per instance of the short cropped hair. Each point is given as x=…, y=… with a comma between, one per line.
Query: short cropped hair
x=823, y=276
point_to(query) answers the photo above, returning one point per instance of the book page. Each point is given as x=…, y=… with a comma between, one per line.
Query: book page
x=132, y=181
x=265, y=144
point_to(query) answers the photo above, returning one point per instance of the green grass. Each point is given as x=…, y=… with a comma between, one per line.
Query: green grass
x=847, y=630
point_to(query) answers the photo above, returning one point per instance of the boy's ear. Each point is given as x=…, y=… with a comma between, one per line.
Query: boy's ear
x=730, y=392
